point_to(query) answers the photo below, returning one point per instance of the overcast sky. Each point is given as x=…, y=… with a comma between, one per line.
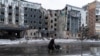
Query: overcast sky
x=60, y=4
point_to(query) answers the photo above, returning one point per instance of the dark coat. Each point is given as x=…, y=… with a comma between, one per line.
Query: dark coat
x=51, y=44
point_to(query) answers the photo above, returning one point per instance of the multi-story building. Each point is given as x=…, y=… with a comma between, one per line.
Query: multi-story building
x=34, y=18
x=14, y=11
x=62, y=24
x=21, y=13
x=65, y=23
x=51, y=22
x=93, y=18
x=44, y=31
x=75, y=19
x=54, y=23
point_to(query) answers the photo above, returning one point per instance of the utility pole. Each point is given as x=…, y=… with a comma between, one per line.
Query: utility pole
x=82, y=39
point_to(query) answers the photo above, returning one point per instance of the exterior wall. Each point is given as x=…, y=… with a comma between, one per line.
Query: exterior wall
x=13, y=11
x=10, y=11
x=83, y=17
x=53, y=22
x=75, y=17
x=33, y=18
x=62, y=24
x=93, y=15
x=46, y=23
x=32, y=34
x=97, y=23
x=91, y=18
x=97, y=28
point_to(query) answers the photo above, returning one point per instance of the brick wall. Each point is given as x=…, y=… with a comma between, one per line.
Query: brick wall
x=91, y=18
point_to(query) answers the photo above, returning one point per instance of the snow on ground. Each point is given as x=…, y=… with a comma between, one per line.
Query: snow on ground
x=20, y=41
x=3, y=41
x=65, y=40
x=77, y=55
x=41, y=41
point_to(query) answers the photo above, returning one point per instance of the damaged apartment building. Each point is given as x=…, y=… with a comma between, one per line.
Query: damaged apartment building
x=52, y=18
x=64, y=23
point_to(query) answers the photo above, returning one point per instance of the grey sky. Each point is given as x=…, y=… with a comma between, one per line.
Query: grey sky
x=60, y=4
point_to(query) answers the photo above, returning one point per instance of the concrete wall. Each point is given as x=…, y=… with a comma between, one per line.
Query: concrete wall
x=32, y=34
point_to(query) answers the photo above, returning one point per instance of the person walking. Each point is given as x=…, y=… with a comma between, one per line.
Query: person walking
x=51, y=45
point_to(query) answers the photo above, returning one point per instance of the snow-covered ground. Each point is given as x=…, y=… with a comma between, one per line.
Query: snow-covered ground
x=41, y=41
x=7, y=41
x=45, y=41
x=77, y=55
